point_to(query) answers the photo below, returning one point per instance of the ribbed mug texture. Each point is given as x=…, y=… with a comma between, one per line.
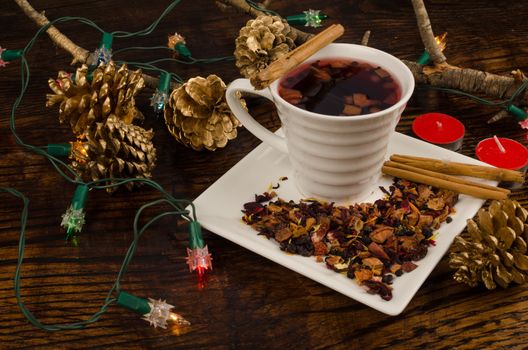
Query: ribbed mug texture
x=333, y=157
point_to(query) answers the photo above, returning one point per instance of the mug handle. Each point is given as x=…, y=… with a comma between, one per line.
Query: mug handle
x=254, y=127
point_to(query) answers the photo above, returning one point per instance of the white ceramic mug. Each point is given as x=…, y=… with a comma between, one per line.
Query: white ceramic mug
x=336, y=158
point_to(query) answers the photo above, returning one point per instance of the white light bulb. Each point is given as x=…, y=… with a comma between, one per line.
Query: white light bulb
x=160, y=313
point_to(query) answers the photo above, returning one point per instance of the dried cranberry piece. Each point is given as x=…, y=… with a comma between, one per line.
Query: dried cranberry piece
x=266, y=196
x=382, y=289
x=252, y=208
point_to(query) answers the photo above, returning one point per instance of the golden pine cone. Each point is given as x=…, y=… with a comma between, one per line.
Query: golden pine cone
x=83, y=102
x=114, y=149
x=198, y=116
x=262, y=41
x=496, y=251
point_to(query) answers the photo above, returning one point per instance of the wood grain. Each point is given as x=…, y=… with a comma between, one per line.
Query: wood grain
x=248, y=302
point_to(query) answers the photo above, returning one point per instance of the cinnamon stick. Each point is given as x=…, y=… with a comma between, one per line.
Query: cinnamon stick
x=454, y=168
x=473, y=191
x=292, y=59
x=444, y=176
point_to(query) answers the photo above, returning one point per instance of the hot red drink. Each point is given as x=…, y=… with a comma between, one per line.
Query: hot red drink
x=340, y=87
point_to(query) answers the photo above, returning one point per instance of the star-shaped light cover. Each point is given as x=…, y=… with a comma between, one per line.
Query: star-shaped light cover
x=175, y=39
x=199, y=259
x=160, y=313
x=100, y=55
x=2, y=62
x=73, y=219
x=158, y=100
x=313, y=18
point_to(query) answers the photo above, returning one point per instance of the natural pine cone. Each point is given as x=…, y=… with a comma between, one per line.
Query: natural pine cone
x=198, y=116
x=83, y=102
x=114, y=149
x=262, y=41
x=496, y=251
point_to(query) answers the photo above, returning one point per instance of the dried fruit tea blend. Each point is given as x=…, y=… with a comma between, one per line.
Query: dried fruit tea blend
x=370, y=242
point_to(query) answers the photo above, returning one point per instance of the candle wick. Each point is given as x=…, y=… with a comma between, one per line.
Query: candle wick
x=499, y=144
x=439, y=124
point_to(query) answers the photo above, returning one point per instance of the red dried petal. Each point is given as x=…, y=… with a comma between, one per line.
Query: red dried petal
x=252, y=208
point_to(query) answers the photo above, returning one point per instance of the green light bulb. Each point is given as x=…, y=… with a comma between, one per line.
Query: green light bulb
x=73, y=218
x=310, y=18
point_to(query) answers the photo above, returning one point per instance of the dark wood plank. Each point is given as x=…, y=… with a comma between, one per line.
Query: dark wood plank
x=248, y=301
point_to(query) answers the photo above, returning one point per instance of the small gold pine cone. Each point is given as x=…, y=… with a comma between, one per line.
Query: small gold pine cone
x=83, y=102
x=114, y=149
x=198, y=116
x=496, y=251
x=262, y=41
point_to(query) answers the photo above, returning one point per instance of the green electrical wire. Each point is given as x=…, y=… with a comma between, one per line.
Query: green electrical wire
x=179, y=205
x=481, y=100
x=149, y=29
x=194, y=60
x=150, y=65
x=124, y=266
x=519, y=90
x=142, y=48
x=25, y=76
x=254, y=5
x=191, y=60
x=465, y=94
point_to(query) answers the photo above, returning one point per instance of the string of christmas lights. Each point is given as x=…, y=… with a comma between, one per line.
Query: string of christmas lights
x=309, y=18
x=314, y=18
x=520, y=114
x=156, y=312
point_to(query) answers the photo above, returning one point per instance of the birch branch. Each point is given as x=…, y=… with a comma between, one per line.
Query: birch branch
x=467, y=80
x=79, y=54
x=426, y=32
x=243, y=7
x=444, y=75
x=365, y=38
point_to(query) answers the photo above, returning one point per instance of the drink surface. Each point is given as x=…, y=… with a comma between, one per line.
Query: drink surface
x=340, y=87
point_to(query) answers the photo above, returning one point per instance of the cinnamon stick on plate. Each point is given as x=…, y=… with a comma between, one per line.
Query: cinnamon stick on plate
x=453, y=168
x=292, y=59
x=436, y=180
x=444, y=176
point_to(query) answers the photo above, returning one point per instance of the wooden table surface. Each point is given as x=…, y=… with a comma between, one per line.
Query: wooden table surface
x=248, y=302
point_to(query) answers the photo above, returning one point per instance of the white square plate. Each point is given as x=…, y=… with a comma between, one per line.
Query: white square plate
x=219, y=210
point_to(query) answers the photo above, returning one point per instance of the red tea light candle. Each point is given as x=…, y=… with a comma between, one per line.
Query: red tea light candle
x=440, y=129
x=503, y=153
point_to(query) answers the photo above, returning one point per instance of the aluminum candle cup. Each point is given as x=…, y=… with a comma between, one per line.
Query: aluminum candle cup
x=440, y=129
x=333, y=157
